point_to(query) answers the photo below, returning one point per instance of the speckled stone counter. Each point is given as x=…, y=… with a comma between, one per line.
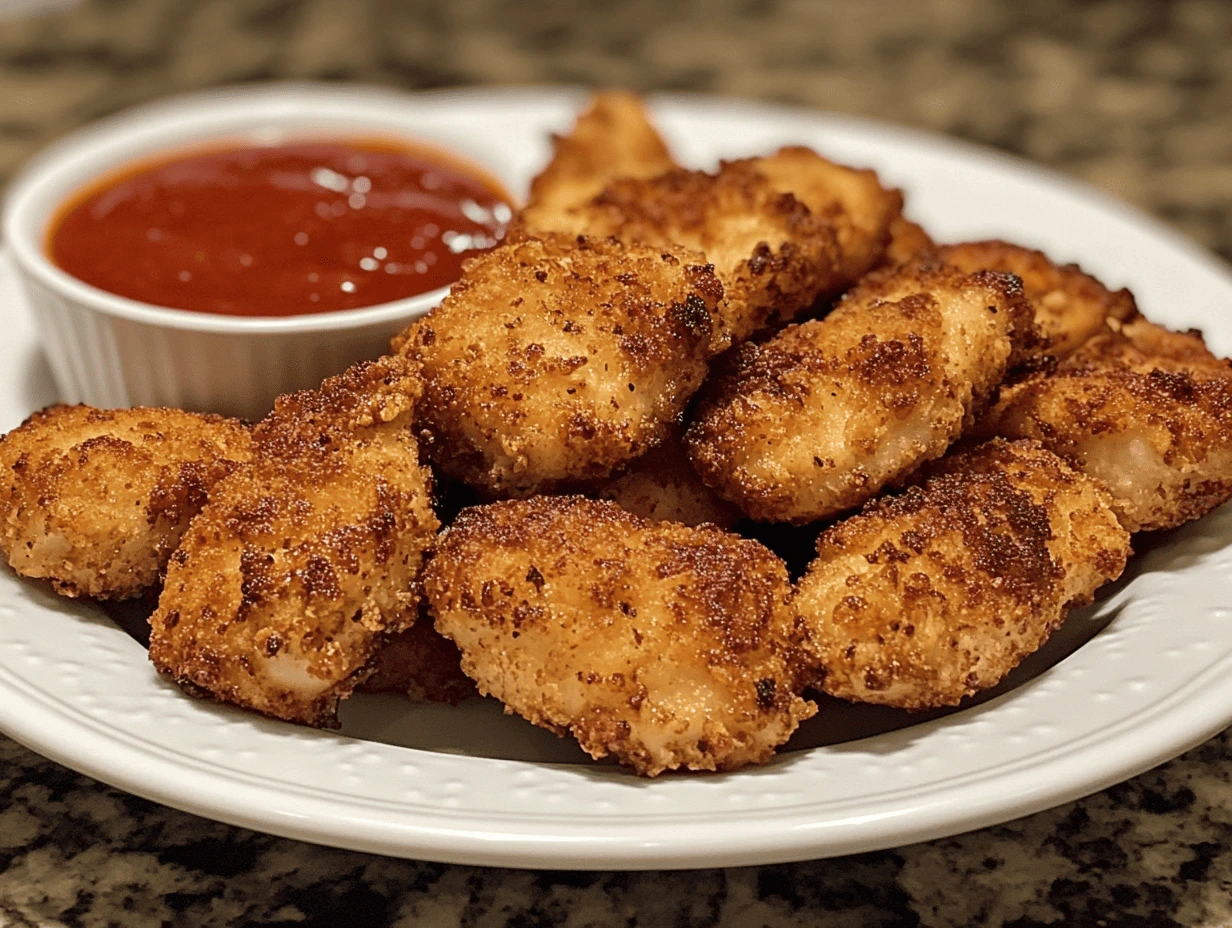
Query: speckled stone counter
x=1134, y=97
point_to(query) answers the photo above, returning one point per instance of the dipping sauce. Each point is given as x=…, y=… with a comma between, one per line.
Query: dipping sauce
x=281, y=230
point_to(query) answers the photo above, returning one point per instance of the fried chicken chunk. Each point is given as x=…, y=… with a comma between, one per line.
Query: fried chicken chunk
x=781, y=231
x=926, y=598
x=613, y=138
x=96, y=500
x=1145, y=411
x=305, y=560
x=862, y=211
x=422, y=665
x=818, y=419
x=1070, y=306
x=662, y=486
x=561, y=359
x=660, y=644
x=908, y=242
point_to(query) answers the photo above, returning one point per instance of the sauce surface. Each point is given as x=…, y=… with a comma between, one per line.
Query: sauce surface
x=280, y=230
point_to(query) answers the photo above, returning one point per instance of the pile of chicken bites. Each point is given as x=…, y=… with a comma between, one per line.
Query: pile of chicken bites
x=654, y=365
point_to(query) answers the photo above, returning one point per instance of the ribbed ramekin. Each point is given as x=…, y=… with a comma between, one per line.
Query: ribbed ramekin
x=110, y=351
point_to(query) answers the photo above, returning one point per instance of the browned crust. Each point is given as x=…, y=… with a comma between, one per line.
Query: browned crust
x=1161, y=393
x=613, y=137
x=305, y=560
x=1070, y=306
x=655, y=642
x=562, y=359
x=96, y=500
x=926, y=598
x=797, y=428
x=662, y=486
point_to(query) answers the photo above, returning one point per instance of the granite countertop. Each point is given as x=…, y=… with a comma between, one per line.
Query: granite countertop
x=1134, y=97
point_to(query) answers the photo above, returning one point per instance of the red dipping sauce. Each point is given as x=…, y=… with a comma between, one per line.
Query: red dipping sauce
x=281, y=230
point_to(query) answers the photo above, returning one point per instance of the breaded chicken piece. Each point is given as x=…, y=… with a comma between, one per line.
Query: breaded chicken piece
x=928, y=597
x=1070, y=306
x=1146, y=412
x=304, y=561
x=781, y=231
x=422, y=665
x=1143, y=345
x=96, y=500
x=662, y=486
x=908, y=242
x=561, y=359
x=613, y=138
x=862, y=211
x=658, y=643
x=818, y=419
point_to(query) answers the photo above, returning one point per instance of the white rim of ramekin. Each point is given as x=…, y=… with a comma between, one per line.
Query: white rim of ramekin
x=183, y=123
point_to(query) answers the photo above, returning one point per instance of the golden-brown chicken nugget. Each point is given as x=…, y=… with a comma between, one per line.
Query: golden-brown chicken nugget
x=1070, y=306
x=819, y=418
x=561, y=359
x=781, y=231
x=908, y=242
x=305, y=560
x=861, y=210
x=661, y=644
x=928, y=597
x=1146, y=412
x=96, y=500
x=662, y=486
x=613, y=138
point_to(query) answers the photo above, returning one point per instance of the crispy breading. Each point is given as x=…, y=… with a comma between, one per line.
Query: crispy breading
x=662, y=486
x=852, y=199
x=1147, y=412
x=561, y=359
x=658, y=643
x=422, y=665
x=305, y=560
x=776, y=250
x=1070, y=306
x=1143, y=345
x=928, y=597
x=819, y=418
x=613, y=137
x=96, y=500
x=908, y=242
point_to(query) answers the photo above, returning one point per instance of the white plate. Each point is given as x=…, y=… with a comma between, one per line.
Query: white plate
x=409, y=782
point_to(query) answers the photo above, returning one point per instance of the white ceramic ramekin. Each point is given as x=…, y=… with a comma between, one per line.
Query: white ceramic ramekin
x=110, y=351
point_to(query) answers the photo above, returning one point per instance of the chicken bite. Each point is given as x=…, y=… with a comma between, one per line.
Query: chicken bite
x=664, y=645
x=1145, y=411
x=95, y=500
x=662, y=486
x=819, y=418
x=305, y=560
x=1070, y=306
x=908, y=242
x=613, y=138
x=782, y=231
x=862, y=211
x=561, y=360
x=928, y=597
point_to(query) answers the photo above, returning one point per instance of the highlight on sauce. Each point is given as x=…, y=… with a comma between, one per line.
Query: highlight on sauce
x=281, y=230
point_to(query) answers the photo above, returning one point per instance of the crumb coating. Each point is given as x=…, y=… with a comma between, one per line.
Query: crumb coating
x=305, y=560
x=95, y=500
x=928, y=597
x=664, y=645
